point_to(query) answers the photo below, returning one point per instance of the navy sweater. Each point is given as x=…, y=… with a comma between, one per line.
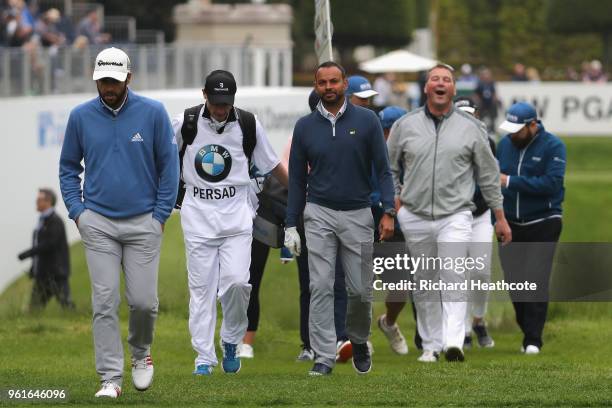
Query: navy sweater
x=340, y=162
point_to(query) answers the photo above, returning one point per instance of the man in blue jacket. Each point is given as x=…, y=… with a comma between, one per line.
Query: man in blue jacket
x=339, y=142
x=130, y=184
x=532, y=165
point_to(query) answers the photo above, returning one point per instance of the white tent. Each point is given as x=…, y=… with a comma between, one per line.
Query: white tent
x=397, y=61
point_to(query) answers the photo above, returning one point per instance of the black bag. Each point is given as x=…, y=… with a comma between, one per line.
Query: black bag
x=268, y=225
x=189, y=130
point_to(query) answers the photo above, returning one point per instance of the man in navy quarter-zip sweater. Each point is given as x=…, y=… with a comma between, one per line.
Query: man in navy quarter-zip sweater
x=532, y=166
x=339, y=142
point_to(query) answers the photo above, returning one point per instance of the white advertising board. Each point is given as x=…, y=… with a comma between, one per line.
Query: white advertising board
x=31, y=145
x=566, y=108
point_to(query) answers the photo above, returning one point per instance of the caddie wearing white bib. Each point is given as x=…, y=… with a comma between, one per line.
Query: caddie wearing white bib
x=217, y=220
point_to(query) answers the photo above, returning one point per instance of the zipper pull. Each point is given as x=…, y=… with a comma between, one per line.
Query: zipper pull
x=333, y=129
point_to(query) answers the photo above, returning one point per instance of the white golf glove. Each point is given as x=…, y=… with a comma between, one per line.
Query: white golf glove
x=292, y=241
x=257, y=184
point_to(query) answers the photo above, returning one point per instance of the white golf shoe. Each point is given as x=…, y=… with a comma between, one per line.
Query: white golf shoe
x=531, y=349
x=142, y=373
x=109, y=390
x=429, y=356
x=397, y=341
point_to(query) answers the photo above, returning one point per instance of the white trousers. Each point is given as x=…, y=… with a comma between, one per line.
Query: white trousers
x=217, y=269
x=441, y=323
x=481, y=246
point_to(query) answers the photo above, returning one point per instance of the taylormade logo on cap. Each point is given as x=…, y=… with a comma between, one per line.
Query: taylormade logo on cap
x=100, y=63
x=112, y=63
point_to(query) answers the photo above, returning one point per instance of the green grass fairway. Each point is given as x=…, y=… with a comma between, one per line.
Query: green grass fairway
x=54, y=349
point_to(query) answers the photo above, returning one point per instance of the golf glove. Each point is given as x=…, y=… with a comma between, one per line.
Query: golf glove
x=292, y=241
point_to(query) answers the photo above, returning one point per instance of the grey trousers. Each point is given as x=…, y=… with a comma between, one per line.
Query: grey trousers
x=134, y=244
x=328, y=230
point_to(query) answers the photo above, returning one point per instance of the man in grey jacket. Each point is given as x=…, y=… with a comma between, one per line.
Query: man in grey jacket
x=443, y=152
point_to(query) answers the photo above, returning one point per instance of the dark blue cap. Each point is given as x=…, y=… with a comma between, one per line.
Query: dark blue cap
x=389, y=115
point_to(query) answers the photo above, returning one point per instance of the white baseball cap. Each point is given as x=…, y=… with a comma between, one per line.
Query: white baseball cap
x=112, y=63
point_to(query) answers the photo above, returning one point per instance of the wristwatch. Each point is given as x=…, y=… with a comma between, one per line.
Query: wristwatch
x=391, y=212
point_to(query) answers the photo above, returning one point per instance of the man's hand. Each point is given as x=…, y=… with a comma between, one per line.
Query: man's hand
x=502, y=229
x=162, y=225
x=293, y=241
x=286, y=256
x=386, y=227
x=281, y=174
x=503, y=180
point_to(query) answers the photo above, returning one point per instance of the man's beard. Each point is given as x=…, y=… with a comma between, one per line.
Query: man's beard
x=521, y=143
x=326, y=102
x=118, y=100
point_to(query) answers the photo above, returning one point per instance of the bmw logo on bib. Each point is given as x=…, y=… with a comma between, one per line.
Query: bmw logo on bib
x=213, y=163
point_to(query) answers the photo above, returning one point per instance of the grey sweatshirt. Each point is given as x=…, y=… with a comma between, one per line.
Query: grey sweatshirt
x=441, y=165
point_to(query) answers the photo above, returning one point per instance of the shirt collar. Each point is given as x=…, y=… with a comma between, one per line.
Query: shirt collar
x=115, y=112
x=445, y=116
x=46, y=213
x=230, y=118
x=217, y=126
x=328, y=115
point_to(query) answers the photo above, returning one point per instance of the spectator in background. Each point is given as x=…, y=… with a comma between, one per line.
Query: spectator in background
x=65, y=26
x=533, y=75
x=50, y=36
x=584, y=70
x=29, y=12
x=18, y=32
x=571, y=74
x=486, y=96
x=467, y=81
x=383, y=84
x=519, y=73
x=50, y=257
x=90, y=28
x=359, y=91
x=47, y=29
x=594, y=73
